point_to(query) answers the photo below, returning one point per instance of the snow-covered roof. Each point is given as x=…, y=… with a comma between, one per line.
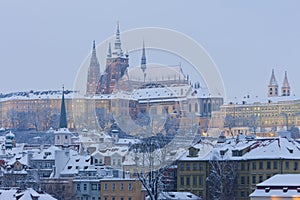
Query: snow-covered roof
x=255, y=100
x=156, y=72
x=121, y=151
x=32, y=194
x=28, y=194
x=282, y=180
x=260, y=148
x=176, y=196
x=45, y=154
x=279, y=185
x=75, y=163
x=49, y=94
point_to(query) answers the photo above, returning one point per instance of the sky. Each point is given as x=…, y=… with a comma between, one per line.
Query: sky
x=43, y=43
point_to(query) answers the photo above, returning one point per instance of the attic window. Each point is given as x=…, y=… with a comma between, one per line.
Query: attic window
x=298, y=190
x=189, y=196
x=69, y=167
x=77, y=167
x=267, y=189
x=85, y=167
x=290, y=150
x=77, y=160
x=285, y=189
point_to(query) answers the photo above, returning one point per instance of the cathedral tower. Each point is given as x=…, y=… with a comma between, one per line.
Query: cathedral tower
x=93, y=73
x=285, y=89
x=273, y=86
x=116, y=67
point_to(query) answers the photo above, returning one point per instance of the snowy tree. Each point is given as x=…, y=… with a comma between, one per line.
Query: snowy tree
x=222, y=179
x=150, y=161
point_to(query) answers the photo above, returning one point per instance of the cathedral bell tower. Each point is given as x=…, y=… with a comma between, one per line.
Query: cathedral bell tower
x=273, y=86
x=116, y=67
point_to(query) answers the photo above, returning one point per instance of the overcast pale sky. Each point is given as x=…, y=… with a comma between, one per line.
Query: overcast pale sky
x=43, y=43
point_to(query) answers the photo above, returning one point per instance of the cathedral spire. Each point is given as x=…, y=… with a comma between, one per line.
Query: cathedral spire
x=143, y=61
x=93, y=72
x=118, y=49
x=63, y=115
x=285, y=89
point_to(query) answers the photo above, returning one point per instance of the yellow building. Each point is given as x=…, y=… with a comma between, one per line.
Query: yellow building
x=244, y=162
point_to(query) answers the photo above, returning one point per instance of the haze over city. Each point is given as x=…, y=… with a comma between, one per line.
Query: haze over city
x=44, y=43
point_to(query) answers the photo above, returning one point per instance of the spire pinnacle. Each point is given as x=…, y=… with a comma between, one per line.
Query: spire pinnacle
x=118, y=49
x=285, y=81
x=63, y=115
x=143, y=61
x=273, y=81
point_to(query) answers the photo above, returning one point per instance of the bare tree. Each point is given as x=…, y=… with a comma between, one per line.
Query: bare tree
x=221, y=180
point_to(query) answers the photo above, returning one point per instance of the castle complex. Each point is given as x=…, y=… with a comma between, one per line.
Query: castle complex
x=119, y=94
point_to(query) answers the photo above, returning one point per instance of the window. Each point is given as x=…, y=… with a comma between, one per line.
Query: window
x=200, y=180
x=187, y=179
x=243, y=194
x=94, y=186
x=129, y=198
x=268, y=165
x=195, y=166
x=129, y=186
x=275, y=165
x=181, y=181
x=113, y=198
x=181, y=166
x=200, y=166
x=261, y=165
x=84, y=186
x=243, y=166
x=188, y=167
x=295, y=165
x=66, y=137
x=194, y=180
x=113, y=186
x=242, y=180
x=287, y=165
x=121, y=186
x=254, y=165
x=78, y=187
x=260, y=178
x=253, y=179
x=105, y=186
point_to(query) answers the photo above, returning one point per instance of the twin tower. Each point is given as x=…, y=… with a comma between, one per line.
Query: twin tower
x=273, y=86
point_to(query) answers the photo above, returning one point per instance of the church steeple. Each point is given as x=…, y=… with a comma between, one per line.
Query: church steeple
x=285, y=89
x=63, y=115
x=93, y=72
x=143, y=61
x=273, y=86
x=118, y=50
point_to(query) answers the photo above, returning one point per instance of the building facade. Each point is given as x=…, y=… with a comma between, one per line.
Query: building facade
x=244, y=162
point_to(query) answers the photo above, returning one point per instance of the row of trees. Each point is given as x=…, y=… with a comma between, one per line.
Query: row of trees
x=42, y=119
